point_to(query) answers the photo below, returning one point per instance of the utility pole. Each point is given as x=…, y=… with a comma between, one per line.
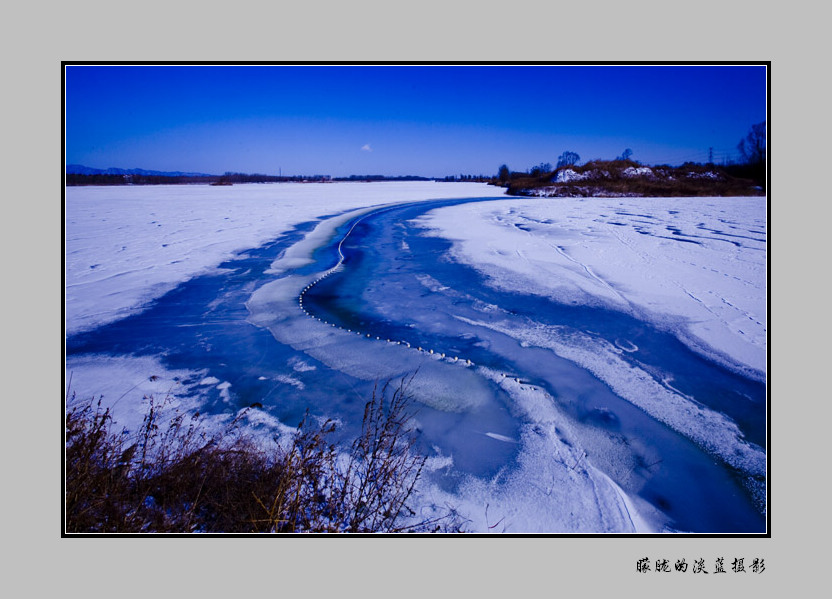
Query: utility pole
x=710, y=155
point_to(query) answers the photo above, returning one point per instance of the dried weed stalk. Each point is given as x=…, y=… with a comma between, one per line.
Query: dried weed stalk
x=170, y=476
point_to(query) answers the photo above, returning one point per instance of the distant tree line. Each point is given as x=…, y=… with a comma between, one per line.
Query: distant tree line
x=74, y=179
x=382, y=178
x=259, y=178
x=468, y=178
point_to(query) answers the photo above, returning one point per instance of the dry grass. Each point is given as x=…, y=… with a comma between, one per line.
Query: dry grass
x=172, y=477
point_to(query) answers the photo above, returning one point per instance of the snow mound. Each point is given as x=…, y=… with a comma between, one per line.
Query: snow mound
x=705, y=175
x=632, y=171
x=568, y=175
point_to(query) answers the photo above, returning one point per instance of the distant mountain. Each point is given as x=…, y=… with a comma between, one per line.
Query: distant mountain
x=80, y=169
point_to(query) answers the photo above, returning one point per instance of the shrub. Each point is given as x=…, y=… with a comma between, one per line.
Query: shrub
x=175, y=477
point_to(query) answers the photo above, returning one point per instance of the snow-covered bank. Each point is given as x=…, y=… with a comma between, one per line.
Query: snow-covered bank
x=693, y=266
x=126, y=246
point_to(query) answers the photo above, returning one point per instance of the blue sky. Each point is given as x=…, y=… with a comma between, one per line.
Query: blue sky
x=432, y=120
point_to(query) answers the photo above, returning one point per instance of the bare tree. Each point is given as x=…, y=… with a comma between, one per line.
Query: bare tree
x=753, y=146
x=568, y=159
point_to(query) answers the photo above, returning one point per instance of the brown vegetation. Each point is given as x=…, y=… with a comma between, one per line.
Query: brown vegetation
x=613, y=178
x=175, y=478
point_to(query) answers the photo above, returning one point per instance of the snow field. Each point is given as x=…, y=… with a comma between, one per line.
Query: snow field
x=126, y=246
x=694, y=266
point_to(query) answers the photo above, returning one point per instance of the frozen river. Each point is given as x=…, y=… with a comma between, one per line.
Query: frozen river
x=560, y=416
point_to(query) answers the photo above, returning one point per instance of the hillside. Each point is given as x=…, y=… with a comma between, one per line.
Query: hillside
x=627, y=178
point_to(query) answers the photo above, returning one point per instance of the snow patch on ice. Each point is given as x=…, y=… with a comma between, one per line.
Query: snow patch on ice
x=430, y=283
x=225, y=394
x=290, y=380
x=299, y=365
x=499, y=437
x=625, y=345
